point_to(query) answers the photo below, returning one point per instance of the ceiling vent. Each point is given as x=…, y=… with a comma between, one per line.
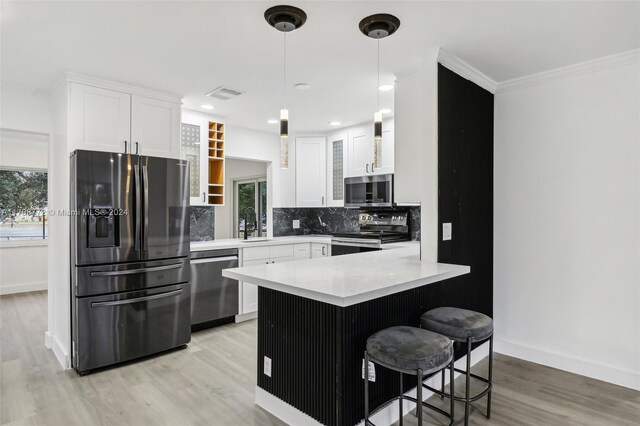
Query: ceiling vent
x=224, y=93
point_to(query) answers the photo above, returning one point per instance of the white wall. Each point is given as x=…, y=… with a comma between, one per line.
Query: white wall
x=23, y=267
x=234, y=169
x=567, y=222
x=416, y=148
x=25, y=108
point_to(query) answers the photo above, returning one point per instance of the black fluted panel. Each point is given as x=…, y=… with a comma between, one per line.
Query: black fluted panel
x=317, y=348
x=299, y=335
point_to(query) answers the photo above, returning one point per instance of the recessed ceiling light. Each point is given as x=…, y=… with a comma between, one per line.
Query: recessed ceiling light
x=206, y=106
x=385, y=110
x=385, y=87
x=302, y=86
x=334, y=123
x=272, y=121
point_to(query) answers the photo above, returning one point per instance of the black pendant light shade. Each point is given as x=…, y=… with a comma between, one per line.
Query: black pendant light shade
x=380, y=25
x=285, y=18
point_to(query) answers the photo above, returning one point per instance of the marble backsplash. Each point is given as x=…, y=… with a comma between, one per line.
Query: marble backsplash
x=328, y=220
x=202, y=223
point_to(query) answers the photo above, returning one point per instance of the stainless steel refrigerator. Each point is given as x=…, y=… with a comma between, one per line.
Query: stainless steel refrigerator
x=130, y=291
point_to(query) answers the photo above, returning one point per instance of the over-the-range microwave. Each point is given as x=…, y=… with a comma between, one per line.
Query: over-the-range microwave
x=369, y=191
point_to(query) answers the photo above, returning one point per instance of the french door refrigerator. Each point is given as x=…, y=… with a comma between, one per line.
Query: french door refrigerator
x=130, y=291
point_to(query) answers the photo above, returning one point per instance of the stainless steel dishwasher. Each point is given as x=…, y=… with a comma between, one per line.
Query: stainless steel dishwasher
x=214, y=298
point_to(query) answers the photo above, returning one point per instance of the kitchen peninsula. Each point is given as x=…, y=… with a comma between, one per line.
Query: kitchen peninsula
x=314, y=317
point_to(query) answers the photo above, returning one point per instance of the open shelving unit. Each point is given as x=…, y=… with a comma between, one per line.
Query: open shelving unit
x=215, y=189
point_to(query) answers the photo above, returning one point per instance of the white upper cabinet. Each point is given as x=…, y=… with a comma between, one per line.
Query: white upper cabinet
x=311, y=172
x=337, y=149
x=155, y=127
x=100, y=119
x=360, y=154
x=114, y=117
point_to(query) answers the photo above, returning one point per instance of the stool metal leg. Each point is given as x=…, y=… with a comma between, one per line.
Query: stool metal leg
x=451, y=387
x=400, y=399
x=468, y=384
x=419, y=398
x=490, y=376
x=366, y=388
x=442, y=387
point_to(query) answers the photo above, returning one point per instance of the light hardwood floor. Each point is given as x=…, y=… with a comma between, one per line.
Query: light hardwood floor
x=212, y=381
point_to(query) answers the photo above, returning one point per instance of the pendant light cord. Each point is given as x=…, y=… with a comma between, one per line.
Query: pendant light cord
x=378, y=88
x=284, y=70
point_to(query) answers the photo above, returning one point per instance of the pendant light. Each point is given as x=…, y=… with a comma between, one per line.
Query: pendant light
x=285, y=19
x=378, y=27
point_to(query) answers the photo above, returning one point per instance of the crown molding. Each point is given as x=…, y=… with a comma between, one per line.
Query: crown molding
x=574, y=70
x=465, y=70
x=73, y=77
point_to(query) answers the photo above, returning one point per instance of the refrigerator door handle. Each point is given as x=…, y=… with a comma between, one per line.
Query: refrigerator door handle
x=145, y=214
x=135, y=271
x=137, y=299
x=137, y=188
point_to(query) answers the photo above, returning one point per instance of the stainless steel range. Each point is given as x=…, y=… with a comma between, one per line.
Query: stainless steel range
x=376, y=228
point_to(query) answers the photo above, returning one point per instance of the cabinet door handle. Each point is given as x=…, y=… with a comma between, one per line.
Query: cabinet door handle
x=367, y=167
x=203, y=197
x=137, y=148
x=323, y=247
x=125, y=147
x=372, y=171
x=323, y=200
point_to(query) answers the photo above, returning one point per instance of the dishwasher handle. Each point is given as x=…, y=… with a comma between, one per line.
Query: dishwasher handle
x=213, y=259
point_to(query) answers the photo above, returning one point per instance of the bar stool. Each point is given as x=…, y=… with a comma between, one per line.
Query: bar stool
x=408, y=350
x=463, y=326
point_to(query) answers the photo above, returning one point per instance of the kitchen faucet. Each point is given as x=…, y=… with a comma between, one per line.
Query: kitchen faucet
x=255, y=224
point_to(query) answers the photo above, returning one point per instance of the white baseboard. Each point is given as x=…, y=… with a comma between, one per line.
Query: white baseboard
x=247, y=317
x=61, y=354
x=388, y=415
x=285, y=412
x=23, y=287
x=626, y=378
x=48, y=340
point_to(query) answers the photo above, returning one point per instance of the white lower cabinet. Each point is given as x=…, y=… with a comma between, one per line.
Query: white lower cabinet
x=301, y=251
x=319, y=250
x=252, y=256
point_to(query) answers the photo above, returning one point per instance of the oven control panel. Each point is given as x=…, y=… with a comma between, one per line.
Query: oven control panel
x=383, y=218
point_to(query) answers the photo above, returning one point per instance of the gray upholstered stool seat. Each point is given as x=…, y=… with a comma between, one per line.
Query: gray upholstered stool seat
x=470, y=328
x=409, y=349
x=458, y=324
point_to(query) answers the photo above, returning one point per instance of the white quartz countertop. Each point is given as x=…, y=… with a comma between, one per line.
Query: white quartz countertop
x=257, y=242
x=350, y=279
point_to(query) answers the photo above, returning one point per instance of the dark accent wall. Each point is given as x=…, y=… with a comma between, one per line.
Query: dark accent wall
x=202, y=222
x=328, y=220
x=465, y=187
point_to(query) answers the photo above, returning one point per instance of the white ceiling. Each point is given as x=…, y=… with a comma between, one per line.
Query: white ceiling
x=190, y=48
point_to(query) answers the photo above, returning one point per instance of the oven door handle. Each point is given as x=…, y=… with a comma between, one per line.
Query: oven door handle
x=137, y=299
x=355, y=242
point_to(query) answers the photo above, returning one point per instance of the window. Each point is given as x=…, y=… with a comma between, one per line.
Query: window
x=23, y=204
x=250, y=201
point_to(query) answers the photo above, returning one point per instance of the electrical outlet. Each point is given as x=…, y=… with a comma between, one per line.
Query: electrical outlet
x=296, y=224
x=267, y=366
x=446, y=231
